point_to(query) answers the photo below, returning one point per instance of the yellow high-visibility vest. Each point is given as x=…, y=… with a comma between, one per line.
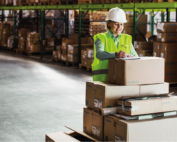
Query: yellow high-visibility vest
x=100, y=68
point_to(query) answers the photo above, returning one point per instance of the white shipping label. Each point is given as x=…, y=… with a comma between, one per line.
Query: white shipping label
x=160, y=26
x=155, y=54
x=90, y=53
x=96, y=130
x=118, y=139
x=158, y=35
x=97, y=103
x=70, y=48
x=162, y=55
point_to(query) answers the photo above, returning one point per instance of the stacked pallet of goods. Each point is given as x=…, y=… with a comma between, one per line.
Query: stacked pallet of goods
x=165, y=47
x=6, y=30
x=93, y=22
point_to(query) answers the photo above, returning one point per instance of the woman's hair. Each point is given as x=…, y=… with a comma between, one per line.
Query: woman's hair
x=107, y=27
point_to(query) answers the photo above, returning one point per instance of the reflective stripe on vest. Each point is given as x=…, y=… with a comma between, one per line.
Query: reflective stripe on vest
x=97, y=72
x=100, y=68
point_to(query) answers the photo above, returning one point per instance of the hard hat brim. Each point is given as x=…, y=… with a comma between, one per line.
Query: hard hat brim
x=116, y=21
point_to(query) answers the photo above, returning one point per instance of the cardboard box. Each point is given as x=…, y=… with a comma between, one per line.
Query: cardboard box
x=171, y=77
x=138, y=37
x=23, y=32
x=49, y=48
x=84, y=57
x=144, y=53
x=73, y=48
x=104, y=95
x=170, y=67
x=168, y=52
x=142, y=19
x=59, y=52
x=36, y=47
x=66, y=41
x=156, y=49
x=167, y=27
x=148, y=34
x=146, y=70
x=50, y=42
x=128, y=28
x=64, y=57
x=143, y=45
x=55, y=54
x=158, y=129
x=90, y=52
x=147, y=106
x=167, y=37
x=89, y=61
x=75, y=136
x=93, y=124
x=72, y=58
x=4, y=25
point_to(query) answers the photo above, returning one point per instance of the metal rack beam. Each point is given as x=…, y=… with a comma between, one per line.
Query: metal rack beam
x=46, y=7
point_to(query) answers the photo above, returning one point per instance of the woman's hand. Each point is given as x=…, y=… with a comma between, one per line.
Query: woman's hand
x=129, y=56
x=120, y=54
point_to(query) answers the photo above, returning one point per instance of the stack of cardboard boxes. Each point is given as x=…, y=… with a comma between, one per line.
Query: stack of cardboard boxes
x=10, y=42
x=165, y=47
x=129, y=79
x=143, y=48
x=134, y=105
x=69, y=49
x=87, y=57
x=128, y=27
x=50, y=42
x=22, y=38
x=5, y=31
x=33, y=42
x=94, y=22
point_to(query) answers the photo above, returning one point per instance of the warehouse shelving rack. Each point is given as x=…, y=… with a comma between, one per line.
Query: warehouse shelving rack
x=134, y=7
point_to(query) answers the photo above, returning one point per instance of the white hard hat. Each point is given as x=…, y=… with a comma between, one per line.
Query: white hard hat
x=116, y=15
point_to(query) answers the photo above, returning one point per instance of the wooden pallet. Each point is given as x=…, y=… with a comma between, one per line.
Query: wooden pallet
x=84, y=66
x=69, y=63
x=19, y=51
x=6, y=49
x=55, y=60
x=29, y=53
x=84, y=1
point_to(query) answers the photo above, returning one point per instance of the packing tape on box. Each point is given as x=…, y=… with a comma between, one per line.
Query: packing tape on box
x=115, y=70
x=124, y=109
x=108, y=111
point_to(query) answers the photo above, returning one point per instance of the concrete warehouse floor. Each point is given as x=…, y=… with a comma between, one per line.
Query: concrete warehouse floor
x=39, y=97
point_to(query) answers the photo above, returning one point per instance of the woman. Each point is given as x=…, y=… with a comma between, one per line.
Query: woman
x=112, y=44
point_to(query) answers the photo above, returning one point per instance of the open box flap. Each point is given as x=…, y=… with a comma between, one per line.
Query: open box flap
x=59, y=137
x=83, y=134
